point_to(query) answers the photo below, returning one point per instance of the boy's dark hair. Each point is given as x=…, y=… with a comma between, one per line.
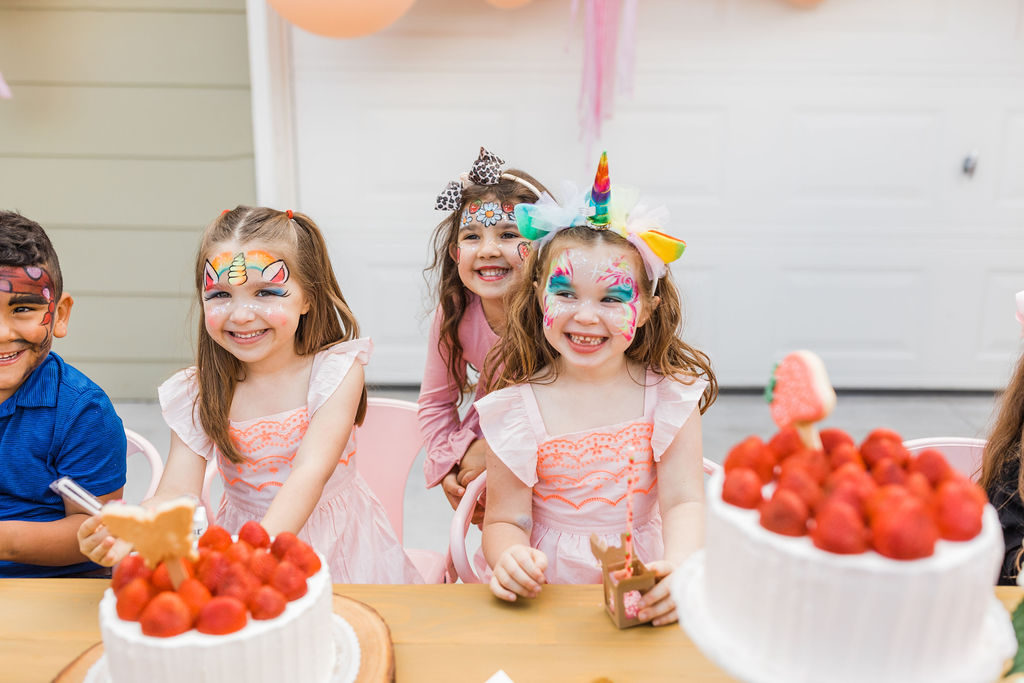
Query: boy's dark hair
x=23, y=242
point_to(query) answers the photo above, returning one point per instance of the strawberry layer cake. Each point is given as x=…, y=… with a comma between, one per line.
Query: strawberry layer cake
x=846, y=564
x=246, y=612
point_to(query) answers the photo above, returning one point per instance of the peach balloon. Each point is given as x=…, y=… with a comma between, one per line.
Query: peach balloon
x=508, y=4
x=342, y=18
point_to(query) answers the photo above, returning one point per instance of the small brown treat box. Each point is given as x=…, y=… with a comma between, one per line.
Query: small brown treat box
x=613, y=561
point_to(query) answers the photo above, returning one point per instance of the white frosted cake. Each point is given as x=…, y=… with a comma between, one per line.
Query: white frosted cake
x=770, y=607
x=297, y=645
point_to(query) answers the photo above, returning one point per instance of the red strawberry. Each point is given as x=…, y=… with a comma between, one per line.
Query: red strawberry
x=854, y=493
x=957, y=512
x=238, y=583
x=840, y=529
x=932, y=464
x=133, y=597
x=786, y=442
x=290, y=580
x=267, y=603
x=885, y=499
x=785, y=514
x=282, y=543
x=904, y=530
x=262, y=564
x=222, y=615
x=976, y=491
x=303, y=557
x=166, y=615
x=129, y=568
x=254, y=534
x=161, y=578
x=215, y=538
x=812, y=462
x=752, y=454
x=239, y=551
x=194, y=594
x=843, y=453
x=919, y=487
x=800, y=481
x=880, y=445
x=833, y=437
x=212, y=569
x=886, y=471
x=742, y=488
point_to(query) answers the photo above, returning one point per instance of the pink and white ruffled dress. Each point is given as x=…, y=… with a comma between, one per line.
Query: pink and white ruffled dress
x=579, y=479
x=349, y=525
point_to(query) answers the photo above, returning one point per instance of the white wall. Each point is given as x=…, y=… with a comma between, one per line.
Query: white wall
x=811, y=160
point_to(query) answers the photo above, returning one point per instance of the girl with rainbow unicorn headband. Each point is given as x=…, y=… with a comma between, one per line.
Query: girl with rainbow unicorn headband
x=590, y=374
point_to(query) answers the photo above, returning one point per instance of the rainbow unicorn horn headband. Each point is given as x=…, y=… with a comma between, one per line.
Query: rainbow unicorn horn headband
x=486, y=170
x=606, y=208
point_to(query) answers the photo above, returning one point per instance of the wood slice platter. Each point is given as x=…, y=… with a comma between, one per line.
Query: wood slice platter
x=377, y=661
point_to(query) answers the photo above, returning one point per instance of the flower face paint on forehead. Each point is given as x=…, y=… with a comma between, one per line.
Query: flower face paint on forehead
x=30, y=285
x=239, y=265
x=488, y=213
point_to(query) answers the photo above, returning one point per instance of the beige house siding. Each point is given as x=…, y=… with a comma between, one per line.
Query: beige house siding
x=130, y=128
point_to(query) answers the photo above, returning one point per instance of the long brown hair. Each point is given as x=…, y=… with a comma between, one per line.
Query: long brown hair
x=523, y=354
x=1004, y=442
x=328, y=321
x=452, y=295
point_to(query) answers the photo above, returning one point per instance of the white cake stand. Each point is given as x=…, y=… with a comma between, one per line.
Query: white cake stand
x=994, y=645
x=346, y=657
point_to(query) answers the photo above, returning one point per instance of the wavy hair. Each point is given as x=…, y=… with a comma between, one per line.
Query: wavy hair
x=524, y=355
x=1004, y=445
x=452, y=296
x=328, y=321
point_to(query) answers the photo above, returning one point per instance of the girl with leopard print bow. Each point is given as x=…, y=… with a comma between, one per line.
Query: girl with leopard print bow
x=478, y=254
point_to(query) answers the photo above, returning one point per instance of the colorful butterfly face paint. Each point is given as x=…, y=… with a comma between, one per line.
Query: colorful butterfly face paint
x=28, y=307
x=601, y=279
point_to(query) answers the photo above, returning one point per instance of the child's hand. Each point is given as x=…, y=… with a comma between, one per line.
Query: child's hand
x=98, y=545
x=474, y=462
x=519, y=571
x=657, y=605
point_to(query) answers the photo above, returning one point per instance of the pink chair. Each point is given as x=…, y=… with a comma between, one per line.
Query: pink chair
x=963, y=453
x=464, y=513
x=387, y=444
x=140, y=444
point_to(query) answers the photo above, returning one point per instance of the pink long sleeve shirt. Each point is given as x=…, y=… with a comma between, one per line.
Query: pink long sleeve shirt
x=446, y=435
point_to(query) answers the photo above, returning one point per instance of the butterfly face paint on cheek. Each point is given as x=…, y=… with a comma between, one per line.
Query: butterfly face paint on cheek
x=619, y=278
x=555, y=301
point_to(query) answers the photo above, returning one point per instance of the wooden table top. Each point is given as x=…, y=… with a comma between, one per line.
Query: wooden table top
x=455, y=632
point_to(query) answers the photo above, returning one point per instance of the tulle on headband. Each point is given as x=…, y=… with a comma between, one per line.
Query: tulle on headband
x=605, y=207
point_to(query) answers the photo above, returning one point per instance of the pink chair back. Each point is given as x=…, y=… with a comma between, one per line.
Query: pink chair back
x=464, y=514
x=387, y=444
x=963, y=453
x=141, y=445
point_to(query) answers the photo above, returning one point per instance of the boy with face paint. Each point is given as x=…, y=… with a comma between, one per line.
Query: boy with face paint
x=54, y=421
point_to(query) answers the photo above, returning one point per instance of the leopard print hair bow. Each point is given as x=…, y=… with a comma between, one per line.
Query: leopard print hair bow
x=486, y=170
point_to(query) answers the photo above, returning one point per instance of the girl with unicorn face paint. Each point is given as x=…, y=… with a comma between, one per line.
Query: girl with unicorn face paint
x=478, y=256
x=273, y=399
x=594, y=421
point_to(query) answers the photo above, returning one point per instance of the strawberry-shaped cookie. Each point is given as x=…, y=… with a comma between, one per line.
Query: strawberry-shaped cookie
x=800, y=395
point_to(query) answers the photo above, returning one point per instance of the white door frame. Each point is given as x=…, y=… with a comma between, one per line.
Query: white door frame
x=273, y=125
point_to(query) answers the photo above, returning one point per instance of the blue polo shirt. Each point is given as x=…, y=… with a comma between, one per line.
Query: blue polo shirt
x=58, y=423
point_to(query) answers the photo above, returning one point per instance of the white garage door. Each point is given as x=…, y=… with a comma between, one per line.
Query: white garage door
x=811, y=159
